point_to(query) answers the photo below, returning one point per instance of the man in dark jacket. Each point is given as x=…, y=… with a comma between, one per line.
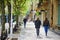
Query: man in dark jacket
x=37, y=26
x=25, y=20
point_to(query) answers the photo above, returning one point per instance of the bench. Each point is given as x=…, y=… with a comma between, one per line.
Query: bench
x=58, y=26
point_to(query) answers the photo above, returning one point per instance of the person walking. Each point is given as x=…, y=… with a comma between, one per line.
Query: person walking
x=37, y=26
x=46, y=25
x=25, y=20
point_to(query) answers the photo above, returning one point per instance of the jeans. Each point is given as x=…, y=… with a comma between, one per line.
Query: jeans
x=46, y=29
x=37, y=31
x=24, y=25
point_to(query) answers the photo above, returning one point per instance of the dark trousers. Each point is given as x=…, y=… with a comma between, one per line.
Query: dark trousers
x=24, y=25
x=37, y=31
x=46, y=29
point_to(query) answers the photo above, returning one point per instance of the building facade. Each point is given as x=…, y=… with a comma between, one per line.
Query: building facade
x=51, y=11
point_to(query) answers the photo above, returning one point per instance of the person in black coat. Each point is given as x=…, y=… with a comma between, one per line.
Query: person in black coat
x=37, y=26
x=25, y=20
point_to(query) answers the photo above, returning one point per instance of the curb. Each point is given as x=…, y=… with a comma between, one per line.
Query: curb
x=57, y=32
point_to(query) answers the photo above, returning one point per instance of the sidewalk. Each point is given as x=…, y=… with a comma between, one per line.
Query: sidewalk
x=30, y=33
x=56, y=31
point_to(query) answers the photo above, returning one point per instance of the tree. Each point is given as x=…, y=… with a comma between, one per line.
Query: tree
x=9, y=13
x=20, y=7
x=2, y=3
x=3, y=14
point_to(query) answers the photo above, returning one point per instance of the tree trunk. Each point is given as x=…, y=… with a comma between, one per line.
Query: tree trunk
x=17, y=20
x=16, y=14
x=3, y=14
x=9, y=14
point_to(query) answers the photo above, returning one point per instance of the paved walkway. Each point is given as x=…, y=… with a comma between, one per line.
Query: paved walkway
x=30, y=33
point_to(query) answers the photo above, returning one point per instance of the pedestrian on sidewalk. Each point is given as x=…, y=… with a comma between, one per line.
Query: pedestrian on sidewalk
x=37, y=26
x=25, y=20
x=46, y=25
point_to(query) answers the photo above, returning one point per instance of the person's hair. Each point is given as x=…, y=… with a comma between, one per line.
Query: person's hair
x=46, y=19
x=37, y=18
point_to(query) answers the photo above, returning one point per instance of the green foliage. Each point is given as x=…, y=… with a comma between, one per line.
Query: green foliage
x=21, y=6
x=37, y=13
x=40, y=0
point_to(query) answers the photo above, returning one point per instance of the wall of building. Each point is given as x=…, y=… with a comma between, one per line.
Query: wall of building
x=53, y=13
x=58, y=12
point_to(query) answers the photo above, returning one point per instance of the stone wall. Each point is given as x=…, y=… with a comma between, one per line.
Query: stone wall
x=53, y=16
